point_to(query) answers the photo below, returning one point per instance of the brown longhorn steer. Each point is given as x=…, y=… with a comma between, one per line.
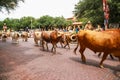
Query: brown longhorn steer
x=24, y=36
x=15, y=37
x=50, y=37
x=37, y=37
x=67, y=37
x=106, y=42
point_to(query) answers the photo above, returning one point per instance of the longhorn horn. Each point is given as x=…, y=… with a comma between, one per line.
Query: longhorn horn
x=73, y=37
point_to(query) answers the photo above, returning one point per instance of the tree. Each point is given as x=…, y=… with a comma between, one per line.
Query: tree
x=1, y=25
x=92, y=10
x=27, y=22
x=12, y=23
x=60, y=22
x=46, y=21
x=9, y=4
x=114, y=6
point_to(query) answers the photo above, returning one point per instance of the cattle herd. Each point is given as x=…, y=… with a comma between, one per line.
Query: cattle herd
x=106, y=42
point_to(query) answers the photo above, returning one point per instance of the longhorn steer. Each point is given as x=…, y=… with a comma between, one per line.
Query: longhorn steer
x=105, y=41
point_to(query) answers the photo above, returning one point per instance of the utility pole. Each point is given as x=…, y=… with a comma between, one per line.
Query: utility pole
x=31, y=24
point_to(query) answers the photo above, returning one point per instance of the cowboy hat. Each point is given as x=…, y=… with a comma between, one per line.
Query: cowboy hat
x=89, y=22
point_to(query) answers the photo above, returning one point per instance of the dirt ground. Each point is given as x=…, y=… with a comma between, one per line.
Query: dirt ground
x=25, y=61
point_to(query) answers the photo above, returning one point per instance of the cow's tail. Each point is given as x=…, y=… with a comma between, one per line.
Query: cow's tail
x=76, y=48
x=77, y=45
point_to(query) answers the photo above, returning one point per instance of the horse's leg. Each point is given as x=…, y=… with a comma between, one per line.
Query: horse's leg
x=103, y=58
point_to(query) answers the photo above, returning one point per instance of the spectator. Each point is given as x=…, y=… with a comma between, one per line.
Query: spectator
x=99, y=28
x=26, y=29
x=88, y=26
x=5, y=27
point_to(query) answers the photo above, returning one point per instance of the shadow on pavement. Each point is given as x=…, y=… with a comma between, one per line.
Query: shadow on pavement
x=95, y=63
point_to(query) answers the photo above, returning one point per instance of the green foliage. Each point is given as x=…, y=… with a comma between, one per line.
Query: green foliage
x=1, y=25
x=12, y=23
x=59, y=22
x=49, y=22
x=9, y=4
x=114, y=11
x=92, y=10
x=46, y=22
x=27, y=22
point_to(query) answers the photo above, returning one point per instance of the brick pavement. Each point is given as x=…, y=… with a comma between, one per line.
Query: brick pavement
x=25, y=61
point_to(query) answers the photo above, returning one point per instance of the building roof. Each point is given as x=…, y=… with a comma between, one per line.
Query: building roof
x=77, y=23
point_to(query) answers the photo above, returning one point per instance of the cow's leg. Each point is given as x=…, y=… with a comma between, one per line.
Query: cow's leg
x=36, y=41
x=99, y=54
x=76, y=48
x=119, y=58
x=22, y=38
x=82, y=49
x=111, y=56
x=17, y=40
x=103, y=58
x=56, y=45
x=47, y=46
x=68, y=45
x=26, y=39
x=54, y=48
x=61, y=44
x=40, y=42
x=43, y=45
x=65, y=45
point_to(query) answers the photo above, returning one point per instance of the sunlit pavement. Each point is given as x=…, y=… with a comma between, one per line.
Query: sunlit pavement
x=25, y=61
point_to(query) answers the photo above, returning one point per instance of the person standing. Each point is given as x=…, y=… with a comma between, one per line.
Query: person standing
x=4, y=27
x=99, y=28
x=26, y=29
x=88, y=26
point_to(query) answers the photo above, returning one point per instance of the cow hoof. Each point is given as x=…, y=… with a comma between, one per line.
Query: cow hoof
x=101, y=66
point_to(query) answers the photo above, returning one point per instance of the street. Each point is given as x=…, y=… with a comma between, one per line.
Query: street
x=25, y=61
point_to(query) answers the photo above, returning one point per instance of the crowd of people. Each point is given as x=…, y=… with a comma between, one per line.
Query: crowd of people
x=73, y=29
x=88, y=26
